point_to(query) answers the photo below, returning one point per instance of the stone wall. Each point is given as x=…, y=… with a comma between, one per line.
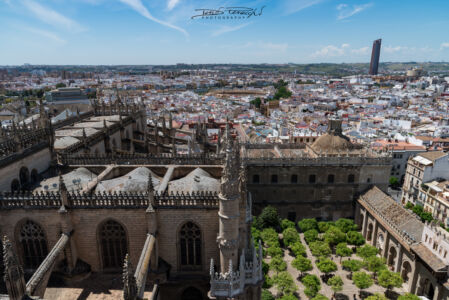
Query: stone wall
x=86, y=223
x=40, y=161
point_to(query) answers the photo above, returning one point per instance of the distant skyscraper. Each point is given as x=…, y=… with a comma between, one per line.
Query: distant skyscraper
x=375, y=54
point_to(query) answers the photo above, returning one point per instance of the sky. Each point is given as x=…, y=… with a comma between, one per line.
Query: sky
x=115, y=32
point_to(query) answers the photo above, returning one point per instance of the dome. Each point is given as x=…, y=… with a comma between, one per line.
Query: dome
x=332, y=143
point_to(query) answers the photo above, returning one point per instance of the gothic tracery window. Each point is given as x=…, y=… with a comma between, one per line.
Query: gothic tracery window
x=113, y=244
x=33, y=243
x=190, y=245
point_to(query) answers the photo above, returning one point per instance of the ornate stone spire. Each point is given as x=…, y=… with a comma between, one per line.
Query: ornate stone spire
x=63, y=192
x=129, y=281
x=150, y=190
x=14, y=280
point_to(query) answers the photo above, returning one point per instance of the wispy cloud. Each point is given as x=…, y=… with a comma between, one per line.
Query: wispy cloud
x=444, y=45
x=360, y=51
x=226, y=29
x=138, y=6
x=52, y=17
x=331, y=50
x=293, y=6
x=393, y=49
x=172, y=3
x=346, y=11
x=46, y=34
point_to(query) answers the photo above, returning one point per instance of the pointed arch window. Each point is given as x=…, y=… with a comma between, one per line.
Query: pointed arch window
x=190, y=245
x=33, y=244
x=113, y=243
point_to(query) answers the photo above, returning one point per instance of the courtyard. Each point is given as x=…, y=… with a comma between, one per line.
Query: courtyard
x=323, y=260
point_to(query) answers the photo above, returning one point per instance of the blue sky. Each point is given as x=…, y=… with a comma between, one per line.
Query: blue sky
x=162, y=31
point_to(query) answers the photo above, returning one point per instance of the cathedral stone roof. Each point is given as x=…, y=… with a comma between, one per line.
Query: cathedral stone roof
x=134, y=181
x=75, y=180
x=332, y=143
x=197, y=180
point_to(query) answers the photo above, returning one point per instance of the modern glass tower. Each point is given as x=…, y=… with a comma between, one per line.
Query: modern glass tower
x=375, y=54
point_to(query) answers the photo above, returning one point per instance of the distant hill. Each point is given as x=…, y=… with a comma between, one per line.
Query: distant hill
x=329, y=69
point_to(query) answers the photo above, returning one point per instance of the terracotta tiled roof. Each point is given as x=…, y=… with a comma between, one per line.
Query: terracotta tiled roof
x=432, y=155
x=392, y=211
x=431, y=259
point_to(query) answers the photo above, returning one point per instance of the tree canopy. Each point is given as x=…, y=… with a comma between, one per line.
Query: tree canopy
x=312, y=285
x=343, y=250
x=284, y=283
x=308, y=224
x=286, y=223
x=311, y=235
x=376, y=296
x=278, y=264
x=298, y=249
x=389, y=280
x=362, y=280
x=334, y=235
x=408, y=296
x=320, y=248
x=290, y=236
x=336, y=283
x=352, y=265
x=266, y=295
x=269, y=217
x=320, y=297
x=355, y=238
x=375, y=264
x=324, y=226
x=302, y=264
x=326, y=265
x=345, y=225
x=367, y=251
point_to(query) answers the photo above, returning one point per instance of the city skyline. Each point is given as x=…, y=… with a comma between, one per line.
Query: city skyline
x=92, y=32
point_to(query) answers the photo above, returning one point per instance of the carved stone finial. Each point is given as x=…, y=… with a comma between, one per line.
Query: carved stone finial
x=129, y=281
x=14, y=279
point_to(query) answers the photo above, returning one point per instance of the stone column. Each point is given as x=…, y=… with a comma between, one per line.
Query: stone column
x=416, y=283
x=365, y=223
x=386, y=244
x=397, y=267
x=438, y=292
x=375, y=230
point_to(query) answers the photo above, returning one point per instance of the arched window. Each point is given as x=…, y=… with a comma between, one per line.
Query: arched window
x=190, y=245
x=294, y=178
x=15, y=185
x=24, y=176
x=274, y=179
x=113, y=244
x=33, y=244
x=312, y=178
x=351, y=178
x=330, y=178
x=256, y=178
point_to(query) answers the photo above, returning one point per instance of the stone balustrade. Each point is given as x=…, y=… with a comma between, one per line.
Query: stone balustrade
x=139, y=159
x=77, y=200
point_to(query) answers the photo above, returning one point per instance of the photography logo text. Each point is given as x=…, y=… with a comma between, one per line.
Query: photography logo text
x=227, y=13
